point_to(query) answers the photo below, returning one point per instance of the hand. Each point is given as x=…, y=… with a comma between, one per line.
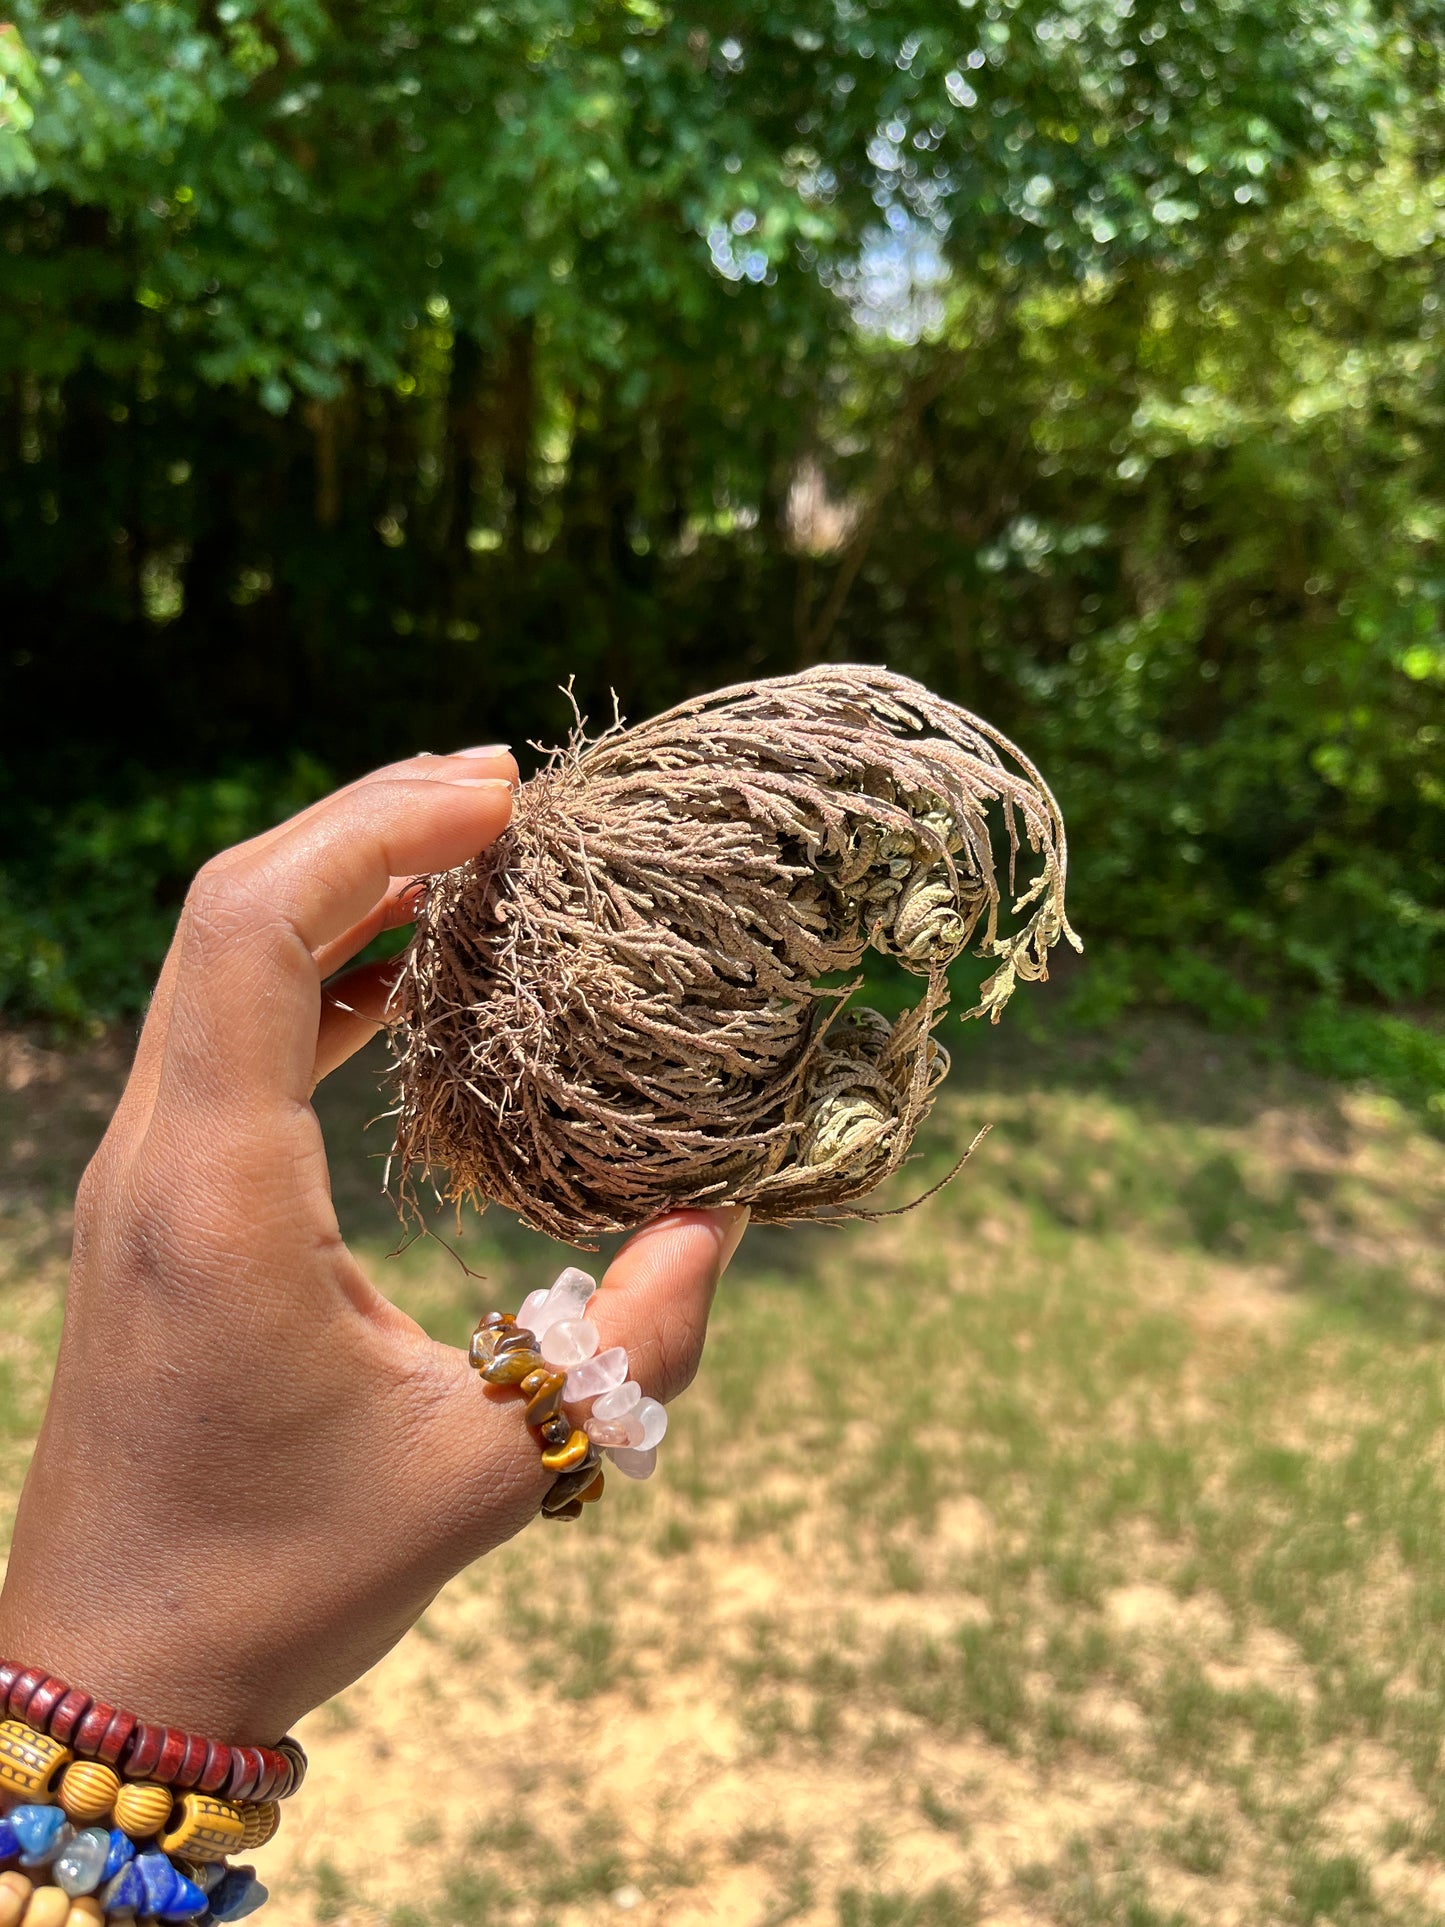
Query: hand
x=254, y=1471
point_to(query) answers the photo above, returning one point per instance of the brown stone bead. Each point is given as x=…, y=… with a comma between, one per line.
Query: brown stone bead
x=535, y=1380
x=496, y=1341
x=557, y=1430
x=594, y=1491
x=572, y=1510
x=510, y=1368
x=495, y=1335
x=574, y=1482
x=546, y=1397
x=564, y=1458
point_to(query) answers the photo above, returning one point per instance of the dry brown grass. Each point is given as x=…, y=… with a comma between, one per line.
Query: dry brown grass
x=1065, y=1553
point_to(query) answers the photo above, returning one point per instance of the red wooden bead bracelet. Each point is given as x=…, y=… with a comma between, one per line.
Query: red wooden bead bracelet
x=139, y=1750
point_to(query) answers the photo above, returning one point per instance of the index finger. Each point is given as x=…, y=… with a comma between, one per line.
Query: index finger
x=140, y=1090
x=246, y=997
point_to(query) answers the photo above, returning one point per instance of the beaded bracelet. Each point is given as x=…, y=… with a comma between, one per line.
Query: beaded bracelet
x=139, y=1750
x=549, y=1350
x=141, y=1827
x=163, y=1857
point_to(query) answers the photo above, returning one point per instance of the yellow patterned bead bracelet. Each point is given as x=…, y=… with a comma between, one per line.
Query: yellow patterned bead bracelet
x=37, y=1769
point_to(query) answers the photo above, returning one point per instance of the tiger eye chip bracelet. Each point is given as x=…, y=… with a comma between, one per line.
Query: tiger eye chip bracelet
x=109, y=1818
x=506, y=1353
x=549, y=1351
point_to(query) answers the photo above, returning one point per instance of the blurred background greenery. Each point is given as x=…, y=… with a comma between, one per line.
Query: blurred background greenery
x=366, y=371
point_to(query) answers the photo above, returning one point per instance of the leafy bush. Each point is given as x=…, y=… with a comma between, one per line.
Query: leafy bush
x=365, y=378
x=81, y=939
x=1402, y=1058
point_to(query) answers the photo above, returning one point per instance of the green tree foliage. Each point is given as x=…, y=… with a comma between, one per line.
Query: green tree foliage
x=368, y=370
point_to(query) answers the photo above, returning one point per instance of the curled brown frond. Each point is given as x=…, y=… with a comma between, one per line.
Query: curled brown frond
x=619, y=1008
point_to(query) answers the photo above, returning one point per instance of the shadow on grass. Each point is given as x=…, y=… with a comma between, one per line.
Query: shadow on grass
x=1141, y=1129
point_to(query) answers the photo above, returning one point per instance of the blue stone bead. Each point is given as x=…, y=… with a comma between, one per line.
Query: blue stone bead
x=122, y=1849
x=160, y=1879
x=81, y=1867
x=9, y=1841
x=62, y=1839
x=38, y=1829
x=239, y=1894
x=188, y=1900
x=126, y=1893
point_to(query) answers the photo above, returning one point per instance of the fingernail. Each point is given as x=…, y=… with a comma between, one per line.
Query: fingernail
x=726, y=1222
x=485, y=749
x=732, y=1237
x=479, y=783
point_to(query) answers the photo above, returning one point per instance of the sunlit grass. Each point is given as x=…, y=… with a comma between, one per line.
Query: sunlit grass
x=1066, y=1551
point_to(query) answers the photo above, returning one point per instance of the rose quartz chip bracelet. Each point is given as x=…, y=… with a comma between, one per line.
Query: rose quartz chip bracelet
x=549, y=1350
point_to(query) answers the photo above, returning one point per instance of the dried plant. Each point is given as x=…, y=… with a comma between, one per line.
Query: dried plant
x=632, y=1001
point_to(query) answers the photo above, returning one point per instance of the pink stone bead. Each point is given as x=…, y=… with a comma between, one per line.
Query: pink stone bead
x=633, y=1464
x=653, y=1418
x=616, y=1404
x=569, y=1343
x=531, y=1309
x=614, y=1431
x=604, y=1373
x=567, y=1298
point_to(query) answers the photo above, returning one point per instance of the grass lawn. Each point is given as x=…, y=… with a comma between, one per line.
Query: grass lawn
x=1068, y=1551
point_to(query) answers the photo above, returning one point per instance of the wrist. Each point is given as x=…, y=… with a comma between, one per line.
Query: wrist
x=110, y=1816
x=228, y=1619
x=83, y=1629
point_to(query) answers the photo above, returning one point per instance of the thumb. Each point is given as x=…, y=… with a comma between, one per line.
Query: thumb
x=481, y=1479
x=658, y=1291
